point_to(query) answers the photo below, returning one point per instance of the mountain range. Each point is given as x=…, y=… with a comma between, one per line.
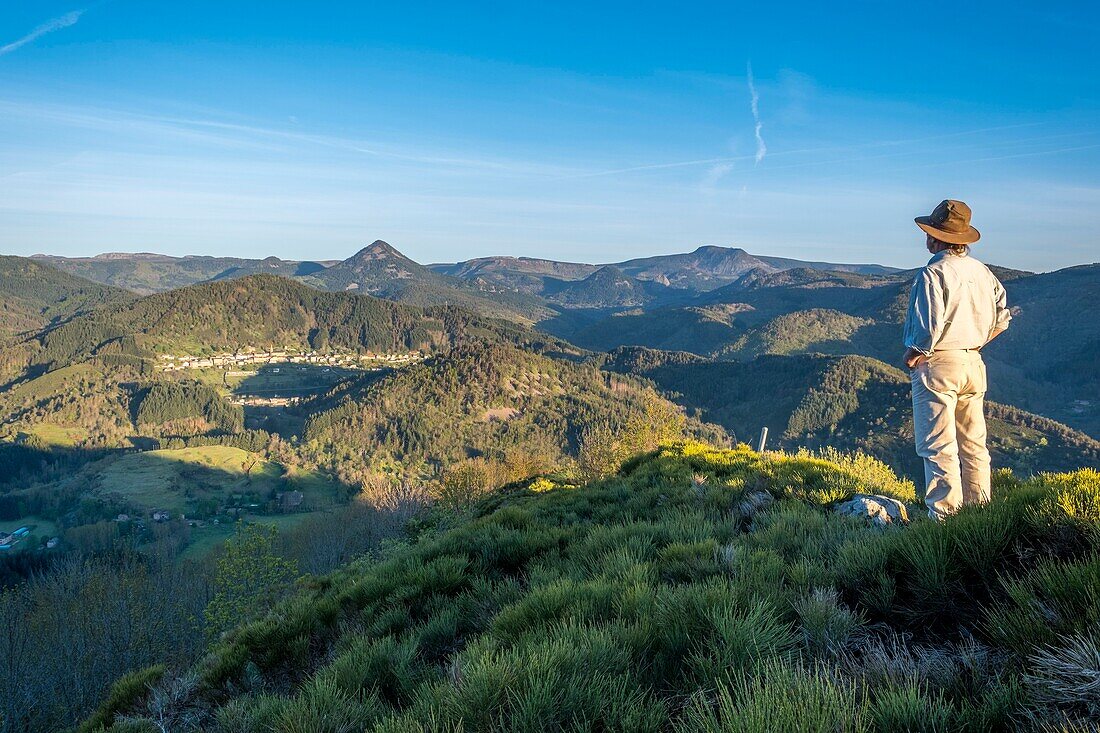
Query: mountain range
x=752, y=330
x=715, y=301
x=380, y=269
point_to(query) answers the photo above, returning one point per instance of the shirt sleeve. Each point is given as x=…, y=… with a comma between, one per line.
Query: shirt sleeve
x=1000, y=298
x=924, y=321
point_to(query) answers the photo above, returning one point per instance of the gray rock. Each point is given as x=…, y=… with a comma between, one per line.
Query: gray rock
x=755, y=501
x=879, y=510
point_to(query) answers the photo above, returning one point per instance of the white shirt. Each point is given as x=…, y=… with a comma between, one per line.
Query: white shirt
x=955, y=303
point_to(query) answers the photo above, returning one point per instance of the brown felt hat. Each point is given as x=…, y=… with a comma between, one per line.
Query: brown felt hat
x=950, y=222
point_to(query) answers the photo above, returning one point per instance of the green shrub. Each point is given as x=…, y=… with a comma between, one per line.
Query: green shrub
x=387, y=667
x=1076, y=499
x=554, y=681
x=911, y=710
x=225, y=662
x=798, y=532
x=779, y=697
x=250, y=577
x=862, y=568
x=759, y=573
x=124, y=694
x=981, y=539
x=135, y=726
x=323, y=706
x=1053, y=600
x=872, y=474
x=562, y=601
x=408, y=724
x=932, y=577
x=711, y=627
x=827, y=625
x=248, y=714
x=684, y=562
x=736, y=639
x=999, y=707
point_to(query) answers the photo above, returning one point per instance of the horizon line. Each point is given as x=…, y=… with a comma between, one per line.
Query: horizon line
x=337, y=260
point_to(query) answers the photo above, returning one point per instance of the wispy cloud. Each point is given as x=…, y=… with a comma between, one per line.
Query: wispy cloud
x=809, y=150
x=715, y=174
x=63, y=21
x=761, y=148
x=242, y=136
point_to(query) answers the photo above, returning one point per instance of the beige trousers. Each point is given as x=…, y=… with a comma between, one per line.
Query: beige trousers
x=949, y=428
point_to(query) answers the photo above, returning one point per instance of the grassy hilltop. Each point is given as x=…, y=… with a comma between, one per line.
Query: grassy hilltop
x=696, y=590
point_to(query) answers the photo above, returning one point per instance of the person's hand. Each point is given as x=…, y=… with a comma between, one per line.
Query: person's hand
x=913, y=358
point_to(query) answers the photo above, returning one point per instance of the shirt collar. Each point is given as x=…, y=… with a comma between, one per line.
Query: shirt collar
x=940, y=255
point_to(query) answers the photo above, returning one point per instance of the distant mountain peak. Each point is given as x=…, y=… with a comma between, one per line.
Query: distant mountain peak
x=606, y=271
x=378, y=250
x=714, y=256
x=716, y=249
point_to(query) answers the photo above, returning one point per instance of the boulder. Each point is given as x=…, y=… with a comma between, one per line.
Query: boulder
x=879, y=510
x=755, y=501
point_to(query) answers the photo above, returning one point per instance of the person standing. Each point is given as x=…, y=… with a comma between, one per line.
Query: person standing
x=956, y=307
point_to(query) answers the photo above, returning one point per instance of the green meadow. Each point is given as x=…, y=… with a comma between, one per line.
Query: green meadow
x=178, y=480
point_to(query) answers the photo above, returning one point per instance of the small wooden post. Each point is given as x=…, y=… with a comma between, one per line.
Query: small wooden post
x=763, y=440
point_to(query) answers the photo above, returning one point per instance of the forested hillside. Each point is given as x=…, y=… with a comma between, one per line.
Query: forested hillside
x=800, y=307
x=165, y=403
x=259, y=312
x=1046, y=361
x=1038, y=365
x=493, y=404
x=848, y=402
x=33, y=296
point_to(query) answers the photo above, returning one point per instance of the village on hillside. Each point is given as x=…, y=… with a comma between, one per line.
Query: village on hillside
x=351, y=359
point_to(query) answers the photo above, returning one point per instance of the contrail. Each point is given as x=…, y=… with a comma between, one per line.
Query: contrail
x=56, y=24
x=761, y=148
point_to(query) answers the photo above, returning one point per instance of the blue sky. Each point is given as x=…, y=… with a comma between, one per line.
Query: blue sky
x=563, y=130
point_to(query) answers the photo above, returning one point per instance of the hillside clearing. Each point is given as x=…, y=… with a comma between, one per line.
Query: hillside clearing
x=177, y=480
